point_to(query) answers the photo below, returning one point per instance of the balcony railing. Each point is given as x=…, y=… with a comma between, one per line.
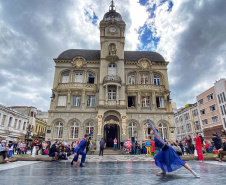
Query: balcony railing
x=77, y=86
x=112, y=78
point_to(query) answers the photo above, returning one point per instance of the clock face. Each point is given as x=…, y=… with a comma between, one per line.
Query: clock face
x=112, y=29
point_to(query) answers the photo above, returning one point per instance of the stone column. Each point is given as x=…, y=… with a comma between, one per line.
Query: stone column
x=106, y=95
x=69, y=97
x=153, y=98
x=138, y=97
x=83, y=96
x=117, y=96
x=137, y=81
x=124, y=118
x=71, y=76
x=85, y=77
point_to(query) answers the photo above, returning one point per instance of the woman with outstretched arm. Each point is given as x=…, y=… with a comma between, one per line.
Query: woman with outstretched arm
x=167, y=159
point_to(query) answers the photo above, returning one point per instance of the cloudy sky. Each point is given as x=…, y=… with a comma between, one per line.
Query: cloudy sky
x=190, y=34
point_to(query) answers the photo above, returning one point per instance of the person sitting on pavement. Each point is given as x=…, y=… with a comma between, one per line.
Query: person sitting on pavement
x=68, y=150
x=54, y=152
x=207, y=146
x=4, y=151
x=177, y=149
x=222, y=151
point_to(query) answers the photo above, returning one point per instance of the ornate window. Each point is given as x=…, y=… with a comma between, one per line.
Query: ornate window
x=182, y=129
x=215, y=119
x=91, y=78
x=131, y=79
x=79, y=77
x=76, y=101
x=147, y=131
x=156, y=80
x=188, y=127
x=3, y=120
x=24, y=126
x=90, y=101
x=160, y=102
x=15, y=123
x=89, y=128
x=111, y=94
x=74, y=129
x=144, y=78
x=62, y=100
x=19, y=125
x=145, y=101
x=65, y=78
x=112, y=69
x=181, y=119
x=58, y=130
x=163, y=130
x=132, y=128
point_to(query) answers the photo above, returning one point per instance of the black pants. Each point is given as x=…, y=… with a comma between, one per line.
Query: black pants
x=101, y=151
x=4, y=154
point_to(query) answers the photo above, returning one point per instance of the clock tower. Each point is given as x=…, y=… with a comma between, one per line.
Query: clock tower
x=112, y=41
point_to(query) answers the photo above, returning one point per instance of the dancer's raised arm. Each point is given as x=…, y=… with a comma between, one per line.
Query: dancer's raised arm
x=157, y=136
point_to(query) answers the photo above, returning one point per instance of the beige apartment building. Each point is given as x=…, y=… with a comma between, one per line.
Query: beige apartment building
x=209, y=113
x=111, y=90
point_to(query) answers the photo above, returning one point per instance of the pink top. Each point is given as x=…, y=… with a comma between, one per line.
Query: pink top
x=115, y=141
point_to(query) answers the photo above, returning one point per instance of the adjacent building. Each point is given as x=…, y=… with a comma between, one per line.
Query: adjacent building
x=220, y=89
x=110, y=89
x=13, y=124
x=40, y=129
x=211, y=105
x=187, y=121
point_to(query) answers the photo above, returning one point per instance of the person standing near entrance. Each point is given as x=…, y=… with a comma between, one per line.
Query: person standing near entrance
x=115, y=144
x=102, y=146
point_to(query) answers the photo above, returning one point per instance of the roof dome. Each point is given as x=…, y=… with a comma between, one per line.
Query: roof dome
x=112, y=13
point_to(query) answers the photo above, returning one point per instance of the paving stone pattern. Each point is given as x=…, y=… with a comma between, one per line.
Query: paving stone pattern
x=109, y=173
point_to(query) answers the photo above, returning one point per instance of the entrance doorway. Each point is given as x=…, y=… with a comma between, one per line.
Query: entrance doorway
x=111, y=131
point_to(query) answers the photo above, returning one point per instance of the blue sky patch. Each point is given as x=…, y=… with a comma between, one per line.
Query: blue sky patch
x=93, y=17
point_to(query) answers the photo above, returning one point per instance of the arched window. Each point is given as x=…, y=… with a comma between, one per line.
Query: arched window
x=74, y=128
x=181, y=119
x=89, y=128
x=147, y=131
x=58, y=130
x=156, y=80
x=131, y=79
x=182, y=129
x=163, y=130
x=79, y=77
x=111, y=69
x=188, y=128
x=132, y=130
x=65, y=77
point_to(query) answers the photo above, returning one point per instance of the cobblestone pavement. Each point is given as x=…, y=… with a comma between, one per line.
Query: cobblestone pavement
x=109, y=173
x=114, y=158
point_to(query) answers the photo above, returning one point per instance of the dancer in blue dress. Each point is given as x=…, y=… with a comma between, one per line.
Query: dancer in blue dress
x=167, y=159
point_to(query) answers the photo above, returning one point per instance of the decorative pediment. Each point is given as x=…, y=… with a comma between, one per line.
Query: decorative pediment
x=111, y=122
x=79, y=62
x=144, y=63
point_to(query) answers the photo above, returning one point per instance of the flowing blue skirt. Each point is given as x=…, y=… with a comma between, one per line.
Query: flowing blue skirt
x=168, y=160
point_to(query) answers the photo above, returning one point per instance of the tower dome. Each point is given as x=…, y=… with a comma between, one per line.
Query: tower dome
x=112, y=13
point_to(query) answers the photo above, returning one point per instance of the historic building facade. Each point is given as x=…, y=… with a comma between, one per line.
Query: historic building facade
x=187, y=121
x=13, y=124
x=110, y=89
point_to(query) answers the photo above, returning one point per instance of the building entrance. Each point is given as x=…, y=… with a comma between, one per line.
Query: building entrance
x=111, y=131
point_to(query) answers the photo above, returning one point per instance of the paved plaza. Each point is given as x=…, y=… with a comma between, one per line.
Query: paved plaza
x=130, y=172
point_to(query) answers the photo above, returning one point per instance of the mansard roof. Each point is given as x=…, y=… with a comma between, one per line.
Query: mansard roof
x=95, y=55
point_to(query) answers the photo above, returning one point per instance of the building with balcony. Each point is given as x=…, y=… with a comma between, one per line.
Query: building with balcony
x=110, y=89
x=212, y=107
x=187, y=121
x=13, y=124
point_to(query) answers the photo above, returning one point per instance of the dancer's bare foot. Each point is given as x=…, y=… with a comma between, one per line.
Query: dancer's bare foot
x=220, y=161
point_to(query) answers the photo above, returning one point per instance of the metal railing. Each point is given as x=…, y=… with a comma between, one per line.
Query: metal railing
x=112, y=78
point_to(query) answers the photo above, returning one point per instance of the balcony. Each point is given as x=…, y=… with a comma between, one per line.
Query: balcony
x=112, y=80
x=145, y=87
x=76, y=86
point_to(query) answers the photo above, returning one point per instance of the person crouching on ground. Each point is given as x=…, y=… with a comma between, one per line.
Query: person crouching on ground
x=79, y=150
x=54, y=152
x=4, y=151
x=222, y=151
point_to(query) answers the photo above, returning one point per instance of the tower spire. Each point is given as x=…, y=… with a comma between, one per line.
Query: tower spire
x=112, y=7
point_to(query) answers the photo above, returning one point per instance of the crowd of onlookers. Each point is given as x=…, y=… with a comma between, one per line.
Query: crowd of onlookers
x=62, y=150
